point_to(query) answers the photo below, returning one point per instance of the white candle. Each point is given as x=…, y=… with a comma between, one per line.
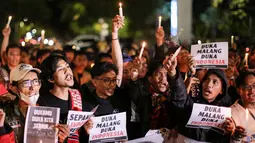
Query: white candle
x=141, y=52
x=232, y=39
x=9, y=21
x=247, y=118
x=42, y=34
x=120, y=10
x=159, y=21
x=246, y=59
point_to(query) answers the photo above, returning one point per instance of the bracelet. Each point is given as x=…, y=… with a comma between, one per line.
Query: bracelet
x=116, y=39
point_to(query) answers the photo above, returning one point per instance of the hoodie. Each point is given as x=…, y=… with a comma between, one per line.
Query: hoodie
x=184, y=104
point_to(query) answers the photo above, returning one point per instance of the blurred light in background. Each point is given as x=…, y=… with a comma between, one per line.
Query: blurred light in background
x=34, y=31
x=46, y=41
x=51, y=42
x=21, y=24
x=174, y=17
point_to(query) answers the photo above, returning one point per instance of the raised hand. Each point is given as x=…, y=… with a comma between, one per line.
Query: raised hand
x=6, y=32
x=170, y=65
x=160, y=34
x=117, y=23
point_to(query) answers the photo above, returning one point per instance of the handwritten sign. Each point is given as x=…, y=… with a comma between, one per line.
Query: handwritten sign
x=109, y=128
x=76, y=119
x=210, y=55
x=207, y=116
x=39, y=124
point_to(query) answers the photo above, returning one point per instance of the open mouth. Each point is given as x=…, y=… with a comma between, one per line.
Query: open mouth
x=162, y=85
x=69, y=77
x=251, y=96
x=110, y=90
x=207, y=92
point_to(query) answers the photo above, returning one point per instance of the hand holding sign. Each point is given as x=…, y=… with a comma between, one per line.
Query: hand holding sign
x=192, y=65
x=63, y=132
x=229, y=125
x=88, y=126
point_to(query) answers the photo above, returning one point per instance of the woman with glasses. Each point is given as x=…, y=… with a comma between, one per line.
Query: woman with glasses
x=25, y=84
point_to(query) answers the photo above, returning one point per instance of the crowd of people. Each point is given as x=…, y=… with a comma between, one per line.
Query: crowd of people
x=155, y=91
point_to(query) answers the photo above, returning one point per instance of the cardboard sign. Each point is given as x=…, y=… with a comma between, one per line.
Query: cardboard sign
x=39, y=124
x=109, y=128
x=207, y=116
x=76, y=119
x=210, y=55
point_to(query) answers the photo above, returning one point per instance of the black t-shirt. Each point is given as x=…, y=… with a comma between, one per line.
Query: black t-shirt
x=50, y=100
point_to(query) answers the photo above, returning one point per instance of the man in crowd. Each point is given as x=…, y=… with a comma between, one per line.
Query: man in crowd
x=13, y=55
x=56, y=92
x=80, y=63
x=243, y=110
x=25, y=85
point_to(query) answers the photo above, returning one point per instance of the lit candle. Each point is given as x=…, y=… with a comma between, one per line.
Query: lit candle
x=246, y=59
x=232, y=39
x=141, y=52
x=42, y=34
x=9, y=21
x=199, y=42
x=159, y=21
x=120, y=10
x=247, y=118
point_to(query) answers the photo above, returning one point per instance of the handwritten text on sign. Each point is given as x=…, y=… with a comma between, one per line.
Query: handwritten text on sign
x=109, y=128
x=76, y=119
x=208, y=116
x=211, y=55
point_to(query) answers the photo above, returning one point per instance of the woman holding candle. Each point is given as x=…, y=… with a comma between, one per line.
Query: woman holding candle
x=243, y=110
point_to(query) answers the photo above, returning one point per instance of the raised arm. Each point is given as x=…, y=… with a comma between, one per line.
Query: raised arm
x=179, y=96
x=6, y=33
x=117, y=23
x=159, y=47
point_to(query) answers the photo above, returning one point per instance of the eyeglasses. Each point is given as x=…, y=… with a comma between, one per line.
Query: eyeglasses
x=108, y=81
x=28, y=83
x=249, y=87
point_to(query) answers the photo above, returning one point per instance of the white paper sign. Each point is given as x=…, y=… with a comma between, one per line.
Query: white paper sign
x=210, y=55
x=39, y=125
x=207, y=116
x=76, y=119
x=109, y=128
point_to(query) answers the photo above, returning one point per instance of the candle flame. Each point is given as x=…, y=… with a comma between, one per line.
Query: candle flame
x=120, y=4
x=143, y=44
x=10, y=18
x=43, y=31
